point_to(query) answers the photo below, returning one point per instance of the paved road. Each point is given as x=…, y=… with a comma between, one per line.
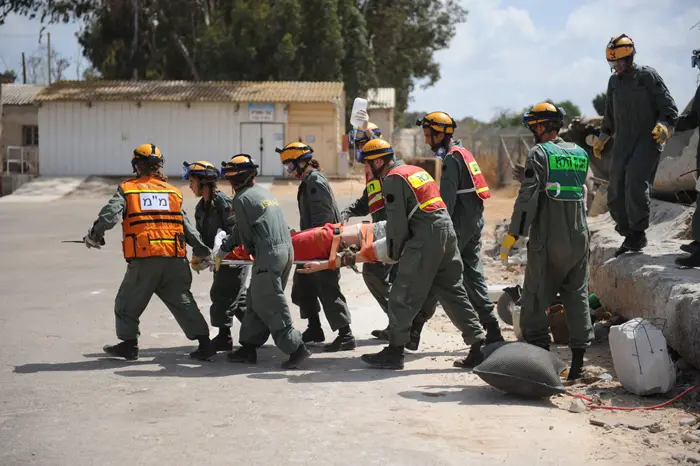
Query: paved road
x=64, y=403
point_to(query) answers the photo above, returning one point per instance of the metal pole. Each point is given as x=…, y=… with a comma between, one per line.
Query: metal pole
x=24, y=70
x=48, y=38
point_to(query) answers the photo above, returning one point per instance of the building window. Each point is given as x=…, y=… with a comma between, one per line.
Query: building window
x=30, y=135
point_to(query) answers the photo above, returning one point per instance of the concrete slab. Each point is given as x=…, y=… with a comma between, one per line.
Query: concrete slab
x=649, y=284
x=64, y=402
x=44, y=189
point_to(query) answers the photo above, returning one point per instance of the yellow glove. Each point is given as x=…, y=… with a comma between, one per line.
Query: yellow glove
x=507, y=247
x=598, y=146
x=660, y=133
x=217, y=262
x=200, y=263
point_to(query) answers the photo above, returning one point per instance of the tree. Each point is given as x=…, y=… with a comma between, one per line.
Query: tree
x=599, y=103
x=37, y=66
x=8, y=76
x=507, y=118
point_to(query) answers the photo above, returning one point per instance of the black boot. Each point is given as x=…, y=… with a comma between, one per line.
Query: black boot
x=493, y=333
x=345, y=341
x=223, y=341
x=637, y=241
x=313, y=335
x=414, y=336
x=296, y=358
x=314, y=332
x=691, y=247
x=381, y=334
x=206, y=350
x=127, y=349
x=576, y=370
x=390, y=357
x=692, y=260
x=246, y=354
x=473, y=359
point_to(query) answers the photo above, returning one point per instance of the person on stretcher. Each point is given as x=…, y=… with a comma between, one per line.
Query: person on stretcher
x=332, y=246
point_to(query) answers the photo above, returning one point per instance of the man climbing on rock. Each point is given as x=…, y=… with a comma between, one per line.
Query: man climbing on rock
x=688, y=121
x=641, y=114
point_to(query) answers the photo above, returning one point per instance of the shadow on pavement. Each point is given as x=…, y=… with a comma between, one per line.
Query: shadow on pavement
x=471, y=395
x=175, y=362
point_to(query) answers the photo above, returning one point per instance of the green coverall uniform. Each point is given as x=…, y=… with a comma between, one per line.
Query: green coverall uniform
x=557, y=250
x=634, y=103
x=378, y=276
x=262, y=229
x=467, y=213
x=429, y=263
x=169, y=278
x=317, y=206
x=228, y=290
x=689, y=121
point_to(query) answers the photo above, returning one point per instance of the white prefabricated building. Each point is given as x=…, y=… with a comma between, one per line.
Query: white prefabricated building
x=92, y=127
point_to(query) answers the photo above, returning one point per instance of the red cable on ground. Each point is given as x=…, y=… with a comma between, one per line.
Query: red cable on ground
x=639, y=408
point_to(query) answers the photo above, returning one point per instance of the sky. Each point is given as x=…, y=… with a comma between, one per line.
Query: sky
x=509, y=54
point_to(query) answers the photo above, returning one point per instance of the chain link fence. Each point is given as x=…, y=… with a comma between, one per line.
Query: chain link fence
x=496, y=150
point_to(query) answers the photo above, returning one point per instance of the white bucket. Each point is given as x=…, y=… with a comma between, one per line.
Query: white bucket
x=358, y=104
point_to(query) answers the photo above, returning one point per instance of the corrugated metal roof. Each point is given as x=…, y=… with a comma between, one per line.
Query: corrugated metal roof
x=19, y=94
x=382, y=97
x=194, y=91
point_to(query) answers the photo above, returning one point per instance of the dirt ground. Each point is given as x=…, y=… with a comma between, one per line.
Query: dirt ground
x=63, y=402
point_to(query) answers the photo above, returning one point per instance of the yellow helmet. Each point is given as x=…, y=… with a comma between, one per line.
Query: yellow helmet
x=295, y=151
x=542, y=113
x=440, y=122
x=148, y=154
x=374, y=149
x=619, y=47
x=358, y=136
x=203, y=170
x=241, y=163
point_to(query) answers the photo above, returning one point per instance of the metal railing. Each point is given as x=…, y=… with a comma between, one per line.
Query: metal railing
x=25, y=160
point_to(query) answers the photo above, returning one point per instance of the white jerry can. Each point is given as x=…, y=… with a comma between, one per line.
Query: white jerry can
x=640, y=357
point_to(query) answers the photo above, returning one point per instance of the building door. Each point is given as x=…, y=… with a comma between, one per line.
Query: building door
x=260, y=140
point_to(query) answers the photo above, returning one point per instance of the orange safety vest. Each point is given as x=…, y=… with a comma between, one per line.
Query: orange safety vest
x=423, y=186
x=375, y=198
x=478, y=180
x=153, y=224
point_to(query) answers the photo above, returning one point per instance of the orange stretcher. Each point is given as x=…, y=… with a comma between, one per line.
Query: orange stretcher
x=319, y=244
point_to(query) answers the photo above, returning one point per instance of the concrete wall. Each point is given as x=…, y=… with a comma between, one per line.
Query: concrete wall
x=384, y=118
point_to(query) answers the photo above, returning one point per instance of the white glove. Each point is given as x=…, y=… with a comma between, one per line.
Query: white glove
x=218, y=241
x=362, y=116
x=92, y=242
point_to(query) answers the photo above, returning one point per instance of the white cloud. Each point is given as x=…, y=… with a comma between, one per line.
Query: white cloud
x=510, y=57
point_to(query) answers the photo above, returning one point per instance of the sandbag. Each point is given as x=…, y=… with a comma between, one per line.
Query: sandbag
x=522, y=369
x=640, y=357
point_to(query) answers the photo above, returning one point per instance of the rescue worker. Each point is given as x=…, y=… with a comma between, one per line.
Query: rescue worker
x=213, y=213
x=688, y=121
x=155, y=232
x=550, y=204
x=261, y=228
x=317, y=206
x=378, y=276
x=640, y=113
x=463, y=188
x=419, y=232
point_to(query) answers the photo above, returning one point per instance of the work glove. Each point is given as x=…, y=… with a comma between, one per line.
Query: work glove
x=661, y=133
x=92, y=241
x=362, y=115
x=201, y=263
x=218, y=257
x=345, y=217
x=599, y=145
x=507, y=248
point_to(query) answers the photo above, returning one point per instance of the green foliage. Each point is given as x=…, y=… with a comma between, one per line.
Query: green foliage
x=8, y=77
x=599, y=103
x=377, y=43
x=507, y=118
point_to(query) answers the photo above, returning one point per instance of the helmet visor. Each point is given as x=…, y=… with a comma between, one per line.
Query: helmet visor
x=359, y=135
